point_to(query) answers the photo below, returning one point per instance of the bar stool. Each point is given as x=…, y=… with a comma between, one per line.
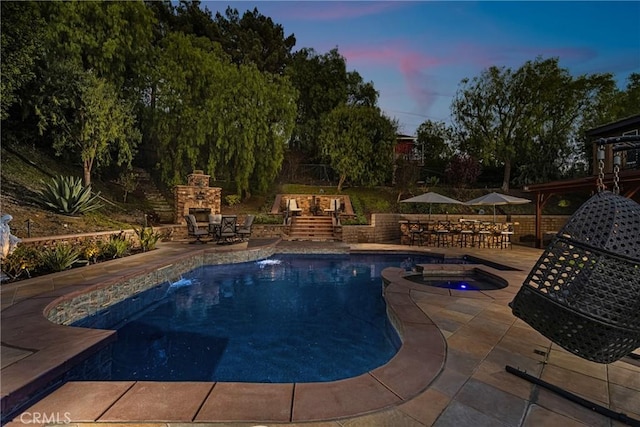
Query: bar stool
x=428, y=235
x=415, y=231
x=443, y=233
x=467, y=234
x=506, y=235
x=484, y=235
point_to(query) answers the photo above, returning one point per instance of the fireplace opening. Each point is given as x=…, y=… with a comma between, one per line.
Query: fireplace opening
x=201, y=214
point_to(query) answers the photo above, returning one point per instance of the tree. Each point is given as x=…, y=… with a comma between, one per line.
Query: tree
x=204, y=111
x=511, y=117
x=256, y=122
x=188, y=17
x=99, y=126
x=358, y=141
x=406, y=175
x=435, y=138
x=21, y=46
x=321, y=81
x=463, y=170
x=359, y=92
x=81, y=41
x=255, y=39
x=181, y=107
x=112, y=39
x=630, y=98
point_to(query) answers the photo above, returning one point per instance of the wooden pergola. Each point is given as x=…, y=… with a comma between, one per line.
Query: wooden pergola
x=629, y=174
x=629, y=187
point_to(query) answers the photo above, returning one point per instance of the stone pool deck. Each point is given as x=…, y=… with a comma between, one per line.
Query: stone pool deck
x=449, y=372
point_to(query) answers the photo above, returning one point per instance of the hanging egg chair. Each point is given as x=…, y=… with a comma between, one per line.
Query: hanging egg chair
x=584, y=291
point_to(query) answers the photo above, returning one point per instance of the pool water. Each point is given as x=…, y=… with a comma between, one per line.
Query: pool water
x=290, y=318
x=467, y=282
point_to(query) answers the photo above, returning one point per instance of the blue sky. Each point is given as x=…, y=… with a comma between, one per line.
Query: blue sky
x=417, y=52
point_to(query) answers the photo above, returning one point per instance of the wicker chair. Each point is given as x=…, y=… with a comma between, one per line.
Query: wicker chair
x=584, y=291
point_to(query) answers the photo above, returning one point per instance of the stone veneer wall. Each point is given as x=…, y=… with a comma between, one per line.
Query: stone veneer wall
x=168, y=232
x=322, y=201
x=100, y=297
x=187, y=197
x=77, y=239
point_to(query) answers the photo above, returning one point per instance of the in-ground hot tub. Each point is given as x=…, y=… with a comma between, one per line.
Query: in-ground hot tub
x=459, y=277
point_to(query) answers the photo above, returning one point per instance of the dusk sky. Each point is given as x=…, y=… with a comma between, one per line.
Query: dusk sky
x=416, y=53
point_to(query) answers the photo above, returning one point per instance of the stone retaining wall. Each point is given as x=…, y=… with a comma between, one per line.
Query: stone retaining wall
x=384, y=228
x=89, y=301
x=169, y=232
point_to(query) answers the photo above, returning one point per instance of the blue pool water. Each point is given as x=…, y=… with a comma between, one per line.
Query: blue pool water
x=290, y=318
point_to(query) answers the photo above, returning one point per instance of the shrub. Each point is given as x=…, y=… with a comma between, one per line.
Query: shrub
x=22, y=261
x=267, y=219
x=90, y=250
x=129, y=183
x=59, y=258
x=358, y=220
x=463, y=170
x=116, y=247
x=232, y=199
x=358, y=205
x=147, y=238
x=67, y=195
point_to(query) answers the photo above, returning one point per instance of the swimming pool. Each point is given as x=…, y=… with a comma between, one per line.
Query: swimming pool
x=290, y=318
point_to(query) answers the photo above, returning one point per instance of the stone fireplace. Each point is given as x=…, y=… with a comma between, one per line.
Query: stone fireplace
x=196, y=198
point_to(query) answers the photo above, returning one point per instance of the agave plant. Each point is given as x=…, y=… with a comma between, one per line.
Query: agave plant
x=116, y=247
x=67, y=195
x=148, y=238
x=59, y=258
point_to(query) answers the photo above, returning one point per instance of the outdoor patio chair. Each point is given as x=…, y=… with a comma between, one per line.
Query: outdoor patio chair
x=292, y=206
x=227, y=231
x=194, y=231
x=334, y=211
x=215, y=220
x=334, y=206
x=291, y=209
x=244, y=232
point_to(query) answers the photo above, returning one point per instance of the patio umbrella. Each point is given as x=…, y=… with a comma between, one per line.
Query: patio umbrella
x=431, y=198
x=497, y=199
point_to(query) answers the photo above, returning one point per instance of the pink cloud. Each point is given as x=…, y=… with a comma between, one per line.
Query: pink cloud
x=416, y=68
x=421, y=69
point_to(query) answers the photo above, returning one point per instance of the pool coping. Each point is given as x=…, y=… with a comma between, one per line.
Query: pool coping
x=56, y=347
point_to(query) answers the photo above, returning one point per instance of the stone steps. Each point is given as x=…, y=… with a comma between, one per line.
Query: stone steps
x=314, y=228
x=157, y=202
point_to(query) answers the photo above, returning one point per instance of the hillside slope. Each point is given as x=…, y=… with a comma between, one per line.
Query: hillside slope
x=21, y=174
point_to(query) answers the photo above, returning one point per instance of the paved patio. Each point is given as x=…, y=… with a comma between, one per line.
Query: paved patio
x=462, y=383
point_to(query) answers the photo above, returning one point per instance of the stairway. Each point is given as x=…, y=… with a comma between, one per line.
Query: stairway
x=155, y=200
x=314, y=228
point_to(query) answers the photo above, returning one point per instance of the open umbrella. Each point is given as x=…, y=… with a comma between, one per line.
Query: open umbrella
x=497, y=199
x=431, y=198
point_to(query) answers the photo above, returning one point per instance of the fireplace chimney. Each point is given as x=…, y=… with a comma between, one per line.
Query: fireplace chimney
x=196, y=198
